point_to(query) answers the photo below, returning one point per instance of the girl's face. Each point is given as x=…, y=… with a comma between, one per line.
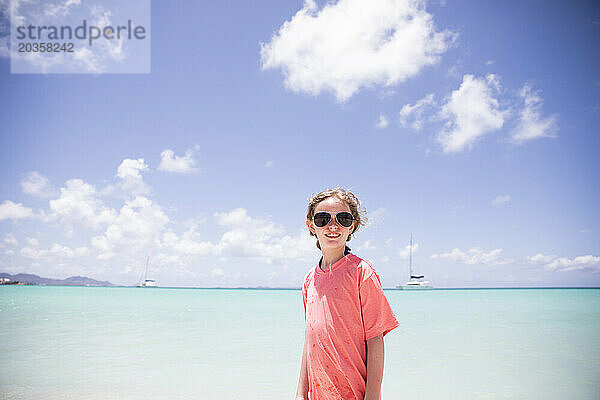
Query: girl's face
x=333, y=235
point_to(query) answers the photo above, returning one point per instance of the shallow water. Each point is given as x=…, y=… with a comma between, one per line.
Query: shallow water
x=130, y=343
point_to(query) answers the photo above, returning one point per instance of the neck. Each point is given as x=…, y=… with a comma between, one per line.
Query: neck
x=331, y=256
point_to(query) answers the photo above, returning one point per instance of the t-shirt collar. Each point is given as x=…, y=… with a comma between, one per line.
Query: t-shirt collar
x=335, y=264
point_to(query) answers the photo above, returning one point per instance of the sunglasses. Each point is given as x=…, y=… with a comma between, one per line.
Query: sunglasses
x=343, y=218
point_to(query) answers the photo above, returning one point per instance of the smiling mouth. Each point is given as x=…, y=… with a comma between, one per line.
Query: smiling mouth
x=333, y=235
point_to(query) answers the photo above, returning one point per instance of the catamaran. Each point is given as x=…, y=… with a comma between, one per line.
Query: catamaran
x=146, y=282
x=416, y=282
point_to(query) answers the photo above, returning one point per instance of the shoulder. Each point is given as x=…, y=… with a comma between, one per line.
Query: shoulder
x=308, y=278
x=364, y=269
x=363, y=266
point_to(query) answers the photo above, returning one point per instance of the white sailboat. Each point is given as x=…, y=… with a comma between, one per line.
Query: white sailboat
x=416, y=282
x=146, y=282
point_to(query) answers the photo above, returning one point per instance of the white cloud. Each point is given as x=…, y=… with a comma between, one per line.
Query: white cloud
x=38, y=185
x=54, y=9
x=554, y=263
x=236, y=217
x=4, y=47
x=88, y=60
x=5, y=10
x=30, y=252
x=218, y=272
x=412, y=115
x=101, y=243
x=78, y=204
x=501, y=200
x=190, y=243
x=470, y=112
x=268, y=164
x=131, y=169
x=126, y=234
x=531, y=125
x=367, y=245
x=10, y=210
x=245, y=237
x=474, y=256
x=46, y=62
x=382, y=122
x=404, y=252
x=138, y=226
x=33, y=251
x=108, y=49
x=32, y=241
x=541, y=259
x=260, y=238
x=169, y=162
x=11, y=240
x=377, y=217
x=106, y=256
x=67, y=252
x=354, y=44
x=131, y=181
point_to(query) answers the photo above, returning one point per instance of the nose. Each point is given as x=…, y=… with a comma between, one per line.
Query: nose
x=333, y=224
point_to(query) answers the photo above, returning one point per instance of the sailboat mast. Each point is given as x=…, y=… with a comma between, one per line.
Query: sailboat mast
x=146, y=273
x=410, y=257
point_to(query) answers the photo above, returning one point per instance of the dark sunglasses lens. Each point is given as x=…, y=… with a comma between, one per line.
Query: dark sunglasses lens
x=322, y=219
x=345, y=219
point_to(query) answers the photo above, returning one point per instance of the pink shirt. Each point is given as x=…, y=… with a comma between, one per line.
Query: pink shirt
x=343, y=306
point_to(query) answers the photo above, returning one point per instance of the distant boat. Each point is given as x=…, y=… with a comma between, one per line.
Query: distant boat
x=146, y=282
x=416, y=282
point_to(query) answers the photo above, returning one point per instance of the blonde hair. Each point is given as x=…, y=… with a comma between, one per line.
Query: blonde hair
x=346, y=196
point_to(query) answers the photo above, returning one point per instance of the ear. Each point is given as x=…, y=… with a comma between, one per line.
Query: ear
x=311, y=227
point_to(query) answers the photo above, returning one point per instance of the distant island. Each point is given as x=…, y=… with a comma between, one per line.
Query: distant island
x=31, y=279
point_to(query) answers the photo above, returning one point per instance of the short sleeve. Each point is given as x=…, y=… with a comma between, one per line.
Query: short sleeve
x=304, y=298
x=304, y=291
x=378, y=317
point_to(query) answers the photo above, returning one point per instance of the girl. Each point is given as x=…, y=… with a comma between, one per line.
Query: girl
x=345, y=310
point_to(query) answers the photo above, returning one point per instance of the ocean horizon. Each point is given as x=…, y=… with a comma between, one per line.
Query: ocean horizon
x=116, y=286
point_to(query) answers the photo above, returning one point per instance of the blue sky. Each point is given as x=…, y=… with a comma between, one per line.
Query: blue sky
x=470, y=124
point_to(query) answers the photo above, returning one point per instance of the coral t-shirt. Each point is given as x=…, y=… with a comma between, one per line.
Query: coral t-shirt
x=343, y=307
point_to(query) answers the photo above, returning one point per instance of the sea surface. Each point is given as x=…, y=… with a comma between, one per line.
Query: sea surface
x=146, y=343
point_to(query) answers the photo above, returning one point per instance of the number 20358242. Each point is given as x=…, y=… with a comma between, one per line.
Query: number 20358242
x=46, y=47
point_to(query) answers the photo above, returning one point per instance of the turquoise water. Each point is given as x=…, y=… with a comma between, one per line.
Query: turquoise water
x=129, y=343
